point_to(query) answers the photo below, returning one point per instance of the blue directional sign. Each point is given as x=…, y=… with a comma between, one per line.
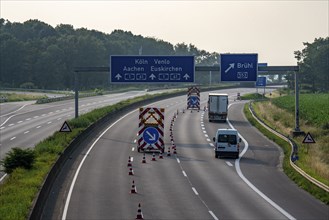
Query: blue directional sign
x=261, y=81
x=239, y=67
x=151, y=135
x=152, y=69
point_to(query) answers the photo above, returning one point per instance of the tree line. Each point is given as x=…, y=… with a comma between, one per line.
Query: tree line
x=34, y=54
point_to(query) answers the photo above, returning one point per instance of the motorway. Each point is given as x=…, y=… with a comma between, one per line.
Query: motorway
x=190, y=185
x=24, y=124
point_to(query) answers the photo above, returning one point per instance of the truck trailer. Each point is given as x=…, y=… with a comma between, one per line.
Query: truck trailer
x=217, y=107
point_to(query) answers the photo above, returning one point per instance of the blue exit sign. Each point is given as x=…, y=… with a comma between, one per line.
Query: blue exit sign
x=239, y=67
x=152, y=69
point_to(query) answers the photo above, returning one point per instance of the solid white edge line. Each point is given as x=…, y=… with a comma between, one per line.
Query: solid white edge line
x=213, y=215
x=238, y=170
x=67, y=202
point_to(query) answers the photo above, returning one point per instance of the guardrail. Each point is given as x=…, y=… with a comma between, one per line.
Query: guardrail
x=294, y=149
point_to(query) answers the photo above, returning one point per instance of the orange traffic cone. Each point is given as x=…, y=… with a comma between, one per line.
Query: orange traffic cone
x=144, y=160
x=153, y=157
x=131, y=172
x=129, y=162
x=139, y=212
x=160, y=155
x=133, y=188
x=175, y=152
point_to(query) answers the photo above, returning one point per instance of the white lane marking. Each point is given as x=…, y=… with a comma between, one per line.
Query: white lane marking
x=204, y=131
x=43, y=114
x=178, y=161
x=12, y=113
x=184, y=173
x=135, y=141
x=19, y=122
x=28, y=119
x=51, y=113
x=10, y=125
x=229, y=163
x=3, y=177
x=133, y=149
x=11, y=116
x=195, y=192
x=36, y=116
x=67, y=202
x=238, y=170
x=208, y=140
x=59, y=119
x=2, y=128
x=12, y=138
x=206, y=135
x=131, y=159
x=26, y=132
x=38, y=126
x=49, y=122
x=213, y=215
x=211, y=144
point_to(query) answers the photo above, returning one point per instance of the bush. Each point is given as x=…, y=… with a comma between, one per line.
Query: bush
x=18, y=157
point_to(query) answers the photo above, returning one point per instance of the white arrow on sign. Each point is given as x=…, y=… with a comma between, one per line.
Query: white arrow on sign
x=230, y=67
x=186, y=76
x=152, y=76
x=118, y=76
x=152, y=137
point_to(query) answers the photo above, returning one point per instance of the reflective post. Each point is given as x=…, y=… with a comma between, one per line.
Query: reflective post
x=76, y=89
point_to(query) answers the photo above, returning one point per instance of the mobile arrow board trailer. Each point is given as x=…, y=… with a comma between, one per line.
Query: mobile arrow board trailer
x=217, y=107
x=227, y=143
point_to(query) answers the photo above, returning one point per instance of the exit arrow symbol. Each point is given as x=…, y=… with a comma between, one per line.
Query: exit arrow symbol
x=152, y=137
x=118, y=76
x=186, y=76
x=230, y=67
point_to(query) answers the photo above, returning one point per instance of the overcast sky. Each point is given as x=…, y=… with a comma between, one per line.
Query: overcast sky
x=273, y=29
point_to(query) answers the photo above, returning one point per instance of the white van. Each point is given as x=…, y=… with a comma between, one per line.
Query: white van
x=227, y=143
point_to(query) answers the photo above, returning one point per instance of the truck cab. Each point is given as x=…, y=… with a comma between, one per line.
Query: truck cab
x=227, y=143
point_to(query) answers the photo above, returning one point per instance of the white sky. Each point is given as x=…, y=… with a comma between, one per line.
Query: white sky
x=273, y=29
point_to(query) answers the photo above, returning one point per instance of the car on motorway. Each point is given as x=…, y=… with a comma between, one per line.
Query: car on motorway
x=227, y=143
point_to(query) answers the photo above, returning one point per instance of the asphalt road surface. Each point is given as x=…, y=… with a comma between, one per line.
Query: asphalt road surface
x=192, y=184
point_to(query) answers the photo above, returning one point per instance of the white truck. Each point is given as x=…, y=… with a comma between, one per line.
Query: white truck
x=217, y=107
x=227, y=143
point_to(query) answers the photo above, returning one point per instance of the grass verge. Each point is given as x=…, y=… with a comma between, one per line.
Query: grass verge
x=290, y=172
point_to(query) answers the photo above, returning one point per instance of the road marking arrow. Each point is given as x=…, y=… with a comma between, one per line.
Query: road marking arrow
x=152, y=137
x=118, y=76
x=230, y=67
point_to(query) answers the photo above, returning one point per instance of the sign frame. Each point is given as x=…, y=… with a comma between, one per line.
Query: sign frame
x=151, y=69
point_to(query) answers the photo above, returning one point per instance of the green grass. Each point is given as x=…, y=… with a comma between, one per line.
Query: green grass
x=313, y=107
x=14, y=97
